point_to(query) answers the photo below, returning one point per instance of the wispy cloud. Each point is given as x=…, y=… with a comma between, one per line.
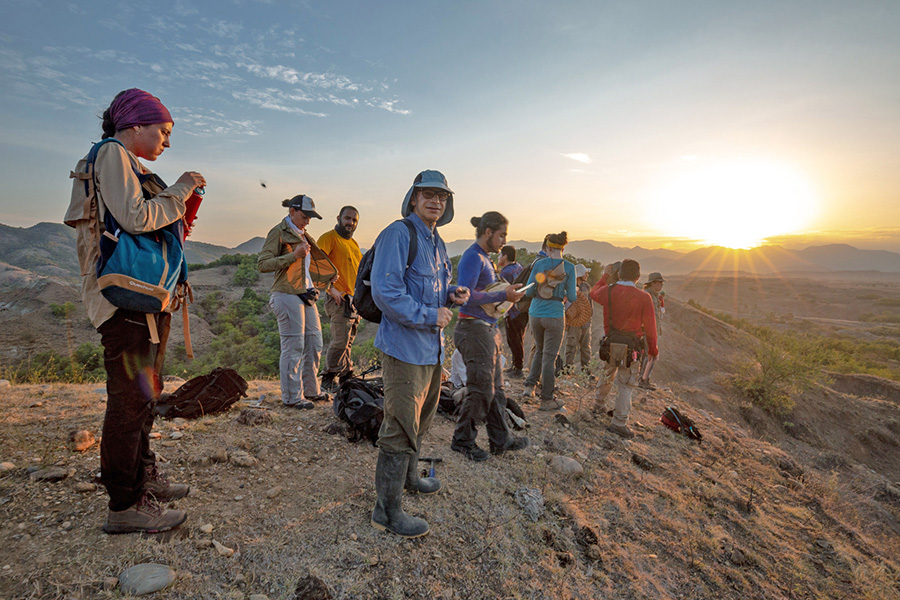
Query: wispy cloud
x=209, y=123
x=273, y=99
x=579, y=156
x=388, y=105
x=295, y=77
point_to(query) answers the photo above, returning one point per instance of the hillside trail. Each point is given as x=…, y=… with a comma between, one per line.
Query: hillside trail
x=752, y=512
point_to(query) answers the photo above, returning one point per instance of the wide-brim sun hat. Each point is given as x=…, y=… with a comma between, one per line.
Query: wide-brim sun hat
x=580, y=270
x=655, y=277
x=434, y=180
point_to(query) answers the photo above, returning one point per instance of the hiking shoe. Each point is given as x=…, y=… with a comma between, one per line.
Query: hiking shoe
x=514, y=373
x=162, y=489
x=553, y=404
x=147, y=516
x=472, y=453
x=323, y=397
x=528, y=391
x=623, y=431
x=512, y=443
x=304, y=404
x=329, y=384
x=645, y=384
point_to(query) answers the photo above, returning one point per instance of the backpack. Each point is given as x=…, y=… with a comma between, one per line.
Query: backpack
x=362, y=294
x=525, y=303
x=203, y=395
x=144, y=272
x=677, y=422
x=360, y=404
x=619, y=348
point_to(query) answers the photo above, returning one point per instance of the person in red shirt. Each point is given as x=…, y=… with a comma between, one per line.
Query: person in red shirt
x=626, y=309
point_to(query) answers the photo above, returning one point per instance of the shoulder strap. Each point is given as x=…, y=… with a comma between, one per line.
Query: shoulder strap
x=413, y=242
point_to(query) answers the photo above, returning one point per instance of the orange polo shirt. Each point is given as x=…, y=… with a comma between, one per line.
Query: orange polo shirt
x=345, y=255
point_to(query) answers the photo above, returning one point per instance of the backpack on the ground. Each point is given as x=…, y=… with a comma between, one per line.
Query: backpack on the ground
x=203, y=395
x=362, y=294
x=144, y=272
x=360, y=404
x=677, y=422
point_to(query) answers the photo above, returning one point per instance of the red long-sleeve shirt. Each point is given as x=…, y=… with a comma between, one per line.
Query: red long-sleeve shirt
x=632, y=308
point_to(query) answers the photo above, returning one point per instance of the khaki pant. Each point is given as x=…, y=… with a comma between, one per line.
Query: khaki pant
x=343, y=332
x=411, y=394
x=626, y=379
x=578, y=340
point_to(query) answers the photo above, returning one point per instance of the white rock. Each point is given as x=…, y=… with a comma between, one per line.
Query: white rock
x=145, y=579
x=6, y=466
x=4, y=383
x=223, y=550
x=207, y=528
x=566, y=465
x=176, y=435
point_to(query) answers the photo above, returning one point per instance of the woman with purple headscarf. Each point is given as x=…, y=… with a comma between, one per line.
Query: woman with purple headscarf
x=140, y=127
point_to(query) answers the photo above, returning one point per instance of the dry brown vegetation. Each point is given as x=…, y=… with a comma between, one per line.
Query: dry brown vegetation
x=762, y=509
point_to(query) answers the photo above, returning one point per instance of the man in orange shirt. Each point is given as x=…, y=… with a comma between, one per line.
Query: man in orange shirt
x=627, y=315
x=344, y=252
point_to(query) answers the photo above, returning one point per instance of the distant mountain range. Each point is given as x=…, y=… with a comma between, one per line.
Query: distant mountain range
x=48, y=249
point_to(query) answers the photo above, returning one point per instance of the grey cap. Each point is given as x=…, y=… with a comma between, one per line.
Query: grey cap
x=304, y=204
x=434, y=180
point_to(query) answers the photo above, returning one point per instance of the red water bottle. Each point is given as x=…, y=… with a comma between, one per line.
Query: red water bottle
x=192, y=205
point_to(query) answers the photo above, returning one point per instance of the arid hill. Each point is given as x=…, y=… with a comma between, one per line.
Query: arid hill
x=761, y=509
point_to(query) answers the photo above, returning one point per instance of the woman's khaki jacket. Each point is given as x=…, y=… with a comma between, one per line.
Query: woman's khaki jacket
x=290, y=274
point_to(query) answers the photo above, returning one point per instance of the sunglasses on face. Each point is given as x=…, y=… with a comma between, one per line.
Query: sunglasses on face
x=439, y=195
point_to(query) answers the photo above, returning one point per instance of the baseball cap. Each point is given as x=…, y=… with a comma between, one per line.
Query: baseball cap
x=304, y=204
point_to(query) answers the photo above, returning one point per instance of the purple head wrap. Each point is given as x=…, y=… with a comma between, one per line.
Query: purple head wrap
x=137, y=107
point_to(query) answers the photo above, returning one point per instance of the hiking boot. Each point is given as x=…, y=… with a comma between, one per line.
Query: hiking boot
x=422, y=485
x=552, y=404
x=390, y=475
x=514, y=373
x=512, y=443
x=472, y=452
x=329, y=383
x=645, y=384
x=528, y=391
x=162, y=489
x=303, y=404
x=623, y=431
x=323, y=397
x=146, y=516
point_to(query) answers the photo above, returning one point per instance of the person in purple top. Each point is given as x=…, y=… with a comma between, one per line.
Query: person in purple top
x=516, y=320
x=478, y=339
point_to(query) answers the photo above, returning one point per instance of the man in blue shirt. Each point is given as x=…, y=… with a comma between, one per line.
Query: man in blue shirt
x=415, y=304
x=478, y=339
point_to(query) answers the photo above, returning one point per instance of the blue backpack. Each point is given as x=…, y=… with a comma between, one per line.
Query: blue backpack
x=139, y=272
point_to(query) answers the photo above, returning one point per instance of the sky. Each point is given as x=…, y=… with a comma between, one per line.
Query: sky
x=653, y=123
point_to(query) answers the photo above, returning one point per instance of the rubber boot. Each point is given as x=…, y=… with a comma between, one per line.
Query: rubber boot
x=422, y=485
x=390, y=475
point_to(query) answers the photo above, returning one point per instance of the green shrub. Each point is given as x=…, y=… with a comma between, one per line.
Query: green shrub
x=62, y=311
x=247, y=272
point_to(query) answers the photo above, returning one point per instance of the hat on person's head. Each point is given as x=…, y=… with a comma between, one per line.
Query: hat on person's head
x=655, y=277
x=580, y=270
x=431, y=180
x=304, y=204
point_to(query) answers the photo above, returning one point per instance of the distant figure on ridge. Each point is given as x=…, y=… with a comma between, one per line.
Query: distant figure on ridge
x=344, y=252
x=630, y=325
x=653, y=287
x=300, y=268
x=478, y=338
x=516, y=321
x=415, y=304
x=578, y=322
x=137, y=126
x=554, y=283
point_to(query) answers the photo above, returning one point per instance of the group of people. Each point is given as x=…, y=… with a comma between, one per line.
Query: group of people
x=411, y=278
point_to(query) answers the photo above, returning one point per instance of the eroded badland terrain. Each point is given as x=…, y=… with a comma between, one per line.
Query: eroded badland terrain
x=804, y=505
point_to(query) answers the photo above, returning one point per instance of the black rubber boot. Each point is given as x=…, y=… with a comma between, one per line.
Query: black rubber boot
x=390, y=475
x=422, y=485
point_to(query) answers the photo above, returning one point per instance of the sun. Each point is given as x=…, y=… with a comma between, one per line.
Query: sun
x=735, y=204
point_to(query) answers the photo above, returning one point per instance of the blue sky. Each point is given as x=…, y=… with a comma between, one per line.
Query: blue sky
x=580, y=116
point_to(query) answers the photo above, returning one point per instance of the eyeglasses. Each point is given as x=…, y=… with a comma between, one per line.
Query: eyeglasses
x=439, y=195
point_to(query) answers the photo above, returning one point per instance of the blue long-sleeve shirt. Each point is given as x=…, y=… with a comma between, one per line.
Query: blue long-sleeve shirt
x=409, y=299
x=476, y=272
x=553, y=307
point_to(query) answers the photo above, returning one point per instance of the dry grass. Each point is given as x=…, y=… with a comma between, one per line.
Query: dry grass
x=732, y=518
